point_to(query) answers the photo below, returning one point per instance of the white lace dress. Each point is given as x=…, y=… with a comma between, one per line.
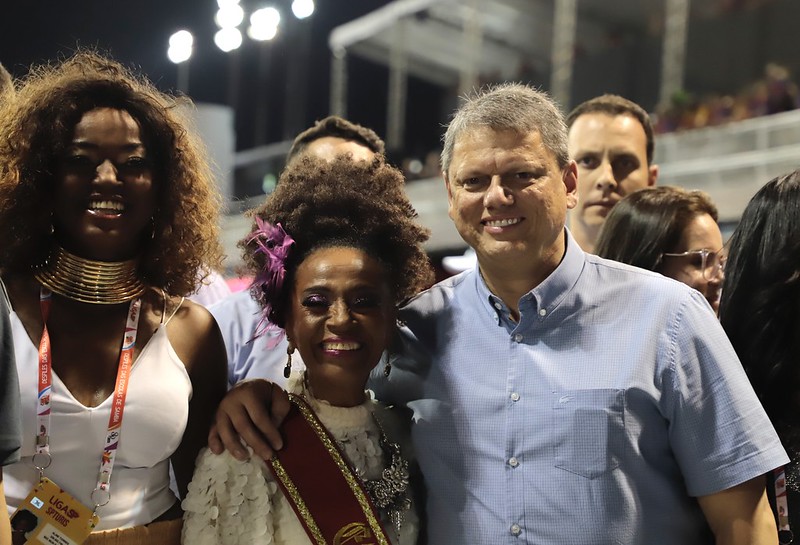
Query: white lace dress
x=239, y=503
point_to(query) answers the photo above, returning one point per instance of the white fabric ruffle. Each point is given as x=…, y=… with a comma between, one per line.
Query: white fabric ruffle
x=238, y=503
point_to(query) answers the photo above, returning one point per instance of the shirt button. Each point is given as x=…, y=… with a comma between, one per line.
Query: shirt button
x=515, y=530
x=513, y=462
x=518, y=338
x=514, y=396
x=542, y=311
x=498, y=306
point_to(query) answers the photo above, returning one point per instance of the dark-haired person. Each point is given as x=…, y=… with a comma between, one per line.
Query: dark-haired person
x=334, y=250
x=24, y=523
x=671, y=231
x=333, y=136
x=238, y=315
x=559, y=397
x=760, y=311
x=611, y=141
x=107, y=213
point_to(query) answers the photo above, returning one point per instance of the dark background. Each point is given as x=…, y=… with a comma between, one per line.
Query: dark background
x=137, y=33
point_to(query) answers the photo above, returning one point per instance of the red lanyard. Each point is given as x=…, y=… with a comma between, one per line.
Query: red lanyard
x=101, y=494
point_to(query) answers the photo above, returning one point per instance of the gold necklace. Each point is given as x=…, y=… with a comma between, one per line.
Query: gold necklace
x=88, y=281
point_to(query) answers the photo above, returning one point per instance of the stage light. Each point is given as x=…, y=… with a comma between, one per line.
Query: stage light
x=302, y=8
x=262, y=34
x=180, y=46
x=264, y=24
x=228, y=39
x=229, y=16
x=265, y=17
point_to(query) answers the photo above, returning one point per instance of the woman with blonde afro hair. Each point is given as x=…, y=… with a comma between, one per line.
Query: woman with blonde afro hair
x=108, y=216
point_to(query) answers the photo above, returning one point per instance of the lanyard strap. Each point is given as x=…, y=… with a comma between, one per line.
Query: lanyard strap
x=101, y=494
x=785, y=535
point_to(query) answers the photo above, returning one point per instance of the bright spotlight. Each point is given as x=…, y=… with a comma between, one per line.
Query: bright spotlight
x=302, y=8
x=265, y=17
x=229, y=16
x=228, y=39
x=182, y=38
x=178, y=55
x=262, y=33
x=180, y=46
x=264, y=24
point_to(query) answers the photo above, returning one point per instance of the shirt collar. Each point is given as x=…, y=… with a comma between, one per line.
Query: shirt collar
x=548, y=294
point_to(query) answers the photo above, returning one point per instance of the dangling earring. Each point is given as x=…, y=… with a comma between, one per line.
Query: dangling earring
x=388, y=367
x=153, y=231
x=288, y=369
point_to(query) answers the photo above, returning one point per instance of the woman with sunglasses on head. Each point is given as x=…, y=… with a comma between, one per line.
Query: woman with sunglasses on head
x=334, y=250
x=671, y=231
x=107, y=213
x=760, y=312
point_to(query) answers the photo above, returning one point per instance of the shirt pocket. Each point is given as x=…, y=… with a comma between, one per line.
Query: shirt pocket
x=589, y=429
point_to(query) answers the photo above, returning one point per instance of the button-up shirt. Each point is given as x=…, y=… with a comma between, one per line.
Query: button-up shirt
x=598, y=417
x=239, y=318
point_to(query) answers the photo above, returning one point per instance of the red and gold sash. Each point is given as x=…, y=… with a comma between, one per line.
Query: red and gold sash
x=325, y=493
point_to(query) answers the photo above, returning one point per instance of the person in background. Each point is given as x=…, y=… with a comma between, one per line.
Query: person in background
x=611, y=141
x=10, y=425
x=10, y=420
x=334, y=250
x=332, y=136
x=760, y=311
x=671, y=231
x=211, y=289
x=239, y=314
x=557, y=397
x=107, y=214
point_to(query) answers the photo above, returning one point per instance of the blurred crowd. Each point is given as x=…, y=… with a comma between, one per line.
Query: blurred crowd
x=774, y=93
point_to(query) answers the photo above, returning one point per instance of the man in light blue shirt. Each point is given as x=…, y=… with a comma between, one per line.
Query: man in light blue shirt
x=597, y=411
x=239, y=315
x=561, y=398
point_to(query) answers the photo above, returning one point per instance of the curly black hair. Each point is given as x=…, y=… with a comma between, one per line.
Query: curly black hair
x=37, y=125
x=356, y=204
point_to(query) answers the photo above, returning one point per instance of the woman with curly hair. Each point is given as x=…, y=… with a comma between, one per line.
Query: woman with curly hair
x=760, y=312
x=107, y=215
x=671, y=231
x=335, y=249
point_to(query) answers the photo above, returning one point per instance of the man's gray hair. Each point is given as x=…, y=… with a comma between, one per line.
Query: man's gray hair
x=510, y=106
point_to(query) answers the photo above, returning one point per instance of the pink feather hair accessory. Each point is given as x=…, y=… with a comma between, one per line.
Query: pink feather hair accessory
x=274, y=243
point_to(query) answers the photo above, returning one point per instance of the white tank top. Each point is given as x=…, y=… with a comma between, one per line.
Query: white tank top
x=156, y=412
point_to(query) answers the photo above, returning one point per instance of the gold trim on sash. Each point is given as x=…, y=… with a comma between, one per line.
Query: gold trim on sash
x=353, y=482
x=291, y=489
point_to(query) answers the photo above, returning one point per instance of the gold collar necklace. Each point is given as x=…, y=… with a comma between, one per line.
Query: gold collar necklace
x=88, y=281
